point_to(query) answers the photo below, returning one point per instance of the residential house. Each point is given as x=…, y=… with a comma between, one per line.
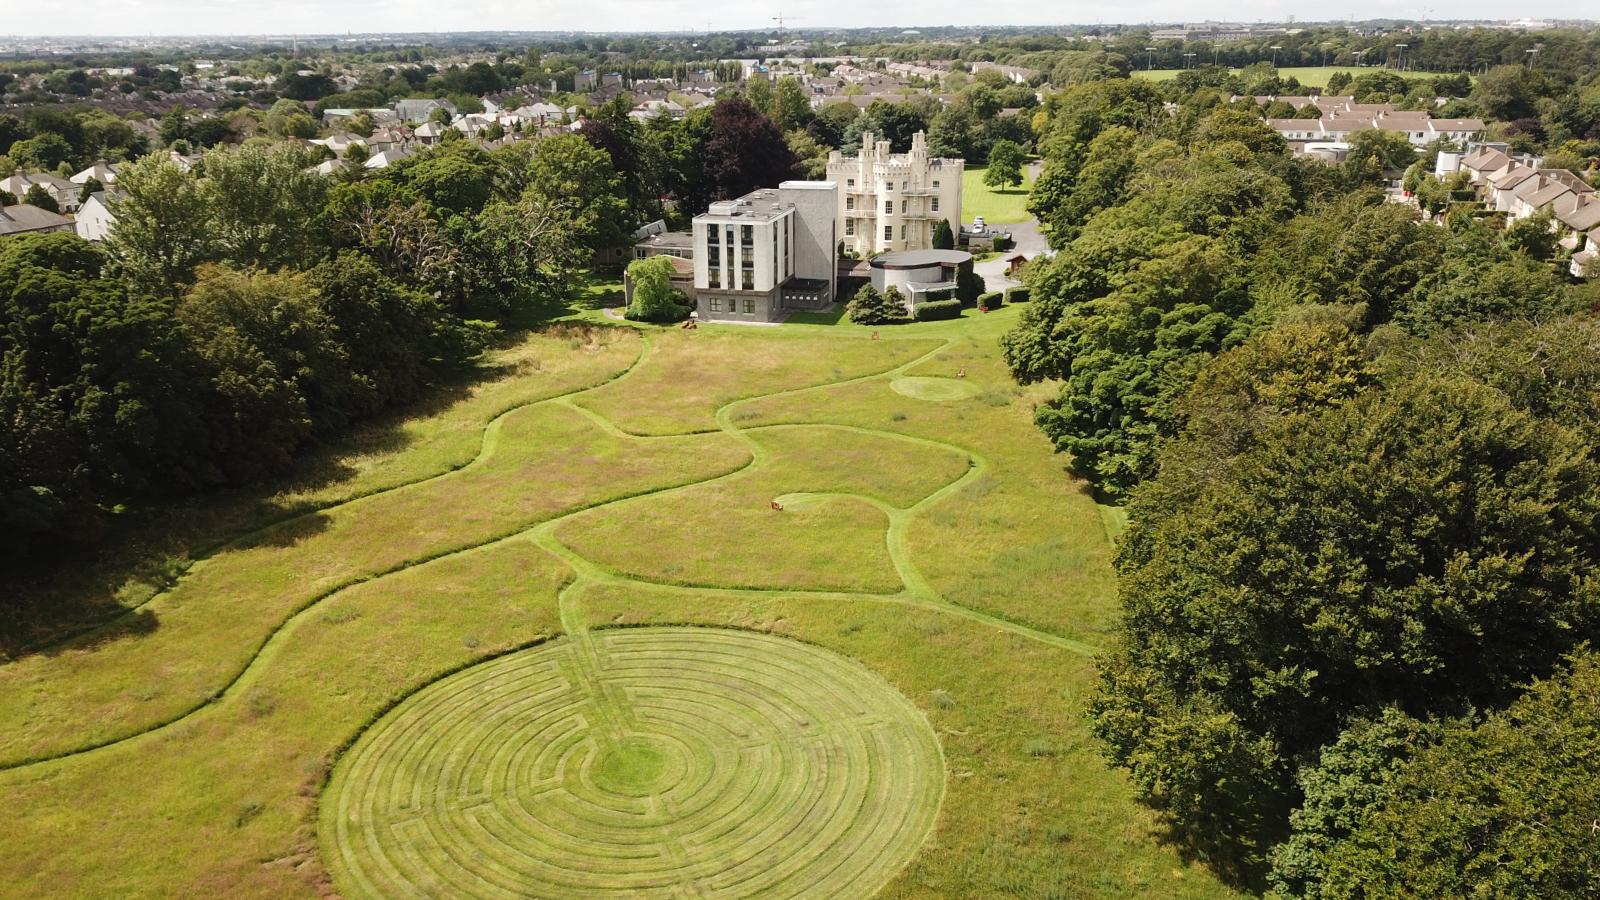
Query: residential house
x=1548, y=191
x=894, y=201
x=390, y=138
x=429, y=133
x=95, y=219
x=64, y=192
x=386, y=158
x=766, y=253
x=1579, y=229
x=1341, y=117
x=649, y=109
x=341, y=143
x=539, y=113
x=101, y=171
x=24, y=218
x=1013, y=74
x=1586, y=262
x=421, y=110
x=1500, y=194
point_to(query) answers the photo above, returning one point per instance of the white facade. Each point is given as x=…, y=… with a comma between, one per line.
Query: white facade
x=94, y=219
x=894, y=201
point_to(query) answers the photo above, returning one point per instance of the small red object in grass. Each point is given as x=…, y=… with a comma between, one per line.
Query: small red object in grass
x=983, y=309
x=777, y=505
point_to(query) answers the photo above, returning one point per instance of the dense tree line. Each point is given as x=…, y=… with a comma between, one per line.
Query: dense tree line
x=1359, y=455
x=244, y=309
x=249, y=306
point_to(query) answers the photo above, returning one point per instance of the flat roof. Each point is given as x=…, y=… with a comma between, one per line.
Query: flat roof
x=917, y=259
x=762, y=204
x=675, y=239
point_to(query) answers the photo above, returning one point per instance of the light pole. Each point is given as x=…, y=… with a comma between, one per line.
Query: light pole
x=1400, y=56
x=1533, y=53
x=1149, y=59
x=1187, y=59
x=1359, y=54
x=1275, y=49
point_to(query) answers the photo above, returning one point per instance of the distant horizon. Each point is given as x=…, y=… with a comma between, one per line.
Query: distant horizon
x=170, y=20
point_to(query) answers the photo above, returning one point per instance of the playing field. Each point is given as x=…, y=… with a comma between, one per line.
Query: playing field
x=804, y=611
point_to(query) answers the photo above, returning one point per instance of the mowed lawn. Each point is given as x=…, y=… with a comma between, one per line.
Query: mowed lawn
x=620, y=477
x=1007, y=207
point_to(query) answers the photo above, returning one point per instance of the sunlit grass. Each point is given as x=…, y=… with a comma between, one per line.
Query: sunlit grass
x=692, y=373
x=998, y=207
x=225, y=802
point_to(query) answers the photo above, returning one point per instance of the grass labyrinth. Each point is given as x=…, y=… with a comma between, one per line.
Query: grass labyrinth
x=555, y=639
x=655, y=762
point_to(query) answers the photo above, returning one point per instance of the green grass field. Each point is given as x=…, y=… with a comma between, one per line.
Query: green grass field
x=551, y=637
x=997, y=207
x=1310, y=76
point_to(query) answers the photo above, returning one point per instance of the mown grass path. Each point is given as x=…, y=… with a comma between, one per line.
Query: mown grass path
x=616, y=757
x=651, y=762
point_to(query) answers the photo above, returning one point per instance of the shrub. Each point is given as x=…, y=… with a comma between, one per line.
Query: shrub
x=937, y=309
x=932, y=296
x=654, y=297
x=1017, y=295
x=870, y=307
x=43, y=199
x=969, y=284
x=991, y=299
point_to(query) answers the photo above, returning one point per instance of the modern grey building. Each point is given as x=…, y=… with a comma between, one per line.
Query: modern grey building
x=768, y=252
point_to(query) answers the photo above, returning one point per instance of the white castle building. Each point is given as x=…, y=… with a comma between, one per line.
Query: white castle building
x=893, y=201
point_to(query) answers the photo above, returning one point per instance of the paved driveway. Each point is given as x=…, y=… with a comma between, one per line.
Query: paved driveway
x=1029, y=242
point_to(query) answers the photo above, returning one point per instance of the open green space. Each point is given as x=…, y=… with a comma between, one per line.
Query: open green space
x=998, y=207
x=811, y=776
x=553, y=638
x=1310, y=76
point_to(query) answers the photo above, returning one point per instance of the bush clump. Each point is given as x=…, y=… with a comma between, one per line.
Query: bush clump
x=873, y=307
x=654, y=297
x=1017, y=295
x=992, y=299
x=937, y=309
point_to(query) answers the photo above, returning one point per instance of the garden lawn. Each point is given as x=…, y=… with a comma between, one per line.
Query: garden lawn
x=1007, y=207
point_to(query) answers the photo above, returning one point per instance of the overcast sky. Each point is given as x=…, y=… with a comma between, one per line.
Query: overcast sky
x=163, y=17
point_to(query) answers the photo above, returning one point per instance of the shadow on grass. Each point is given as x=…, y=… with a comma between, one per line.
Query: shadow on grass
x=833, y=315
x=72, y=592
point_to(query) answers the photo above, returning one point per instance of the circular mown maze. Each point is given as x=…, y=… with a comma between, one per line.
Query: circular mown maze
x=645, y=762
x=939, y=390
